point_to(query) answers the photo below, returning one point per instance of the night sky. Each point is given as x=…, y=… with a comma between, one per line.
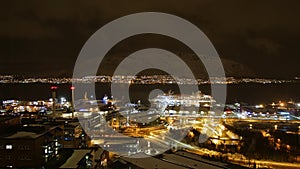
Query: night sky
x=44, y=38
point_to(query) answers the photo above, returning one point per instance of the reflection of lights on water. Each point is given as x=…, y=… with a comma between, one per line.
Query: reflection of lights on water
x=259, y=106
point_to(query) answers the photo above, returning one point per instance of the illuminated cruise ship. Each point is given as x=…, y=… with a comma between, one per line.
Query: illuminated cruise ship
x=197, y=99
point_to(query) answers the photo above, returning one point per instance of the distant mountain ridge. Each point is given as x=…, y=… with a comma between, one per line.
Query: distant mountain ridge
x=109, y=64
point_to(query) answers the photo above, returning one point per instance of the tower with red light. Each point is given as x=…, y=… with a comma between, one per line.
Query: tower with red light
x=54, y=89
x=73, y=98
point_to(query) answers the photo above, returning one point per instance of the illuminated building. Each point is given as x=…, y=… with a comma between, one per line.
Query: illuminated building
x=30, y=147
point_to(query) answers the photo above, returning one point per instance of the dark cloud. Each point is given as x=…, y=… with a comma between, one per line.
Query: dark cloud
x=45, y=37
